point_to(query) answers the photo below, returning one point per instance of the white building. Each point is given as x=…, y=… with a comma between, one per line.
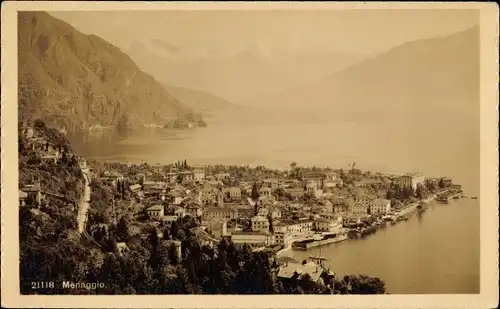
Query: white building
x=283, y=238
x=410, y=180
x=294, y=226
x=232, y=193
x=186, y=176
x=158, y=168
x=198, y=175
x=169, y=219
x=359, y=209
x=363, y=199
x=326, y=225
x=219, y=213
x=311, y=188
x=171, y=177
x=156, y=211
x=254, y=239
x=235, y=193
x=260, y=224
x=295, y=192
x=154, y=187
x=273, y=184
x=328, y=184
x=222, y=176
x=380, y=206
x=265, y=192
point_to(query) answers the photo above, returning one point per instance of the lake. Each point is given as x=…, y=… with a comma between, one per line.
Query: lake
x=436, y=252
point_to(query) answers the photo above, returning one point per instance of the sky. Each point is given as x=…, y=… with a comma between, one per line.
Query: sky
x=219, y=32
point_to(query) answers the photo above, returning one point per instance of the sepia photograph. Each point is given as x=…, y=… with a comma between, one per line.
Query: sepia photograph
x=265, y=151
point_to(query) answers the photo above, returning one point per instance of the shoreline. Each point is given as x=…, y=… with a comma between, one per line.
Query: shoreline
x=374, y=227
x=375, y=223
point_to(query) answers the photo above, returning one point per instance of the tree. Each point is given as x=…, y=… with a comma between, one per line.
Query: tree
x=307, y=285
x=256, y=208
x=181, y=234
x=180, y=178
x=122, y=190
x=153, y=239
x=364, y=285
x=174, y=229
x=271, y=227
x=390, y=194
x=421, y=191
x=441, y=183
x=112, y=246
x=189, y=222
x=408, y=192
x=122, y=229
x=431, y=185
x=160, y=256
x=255, y=192
x=172, y=254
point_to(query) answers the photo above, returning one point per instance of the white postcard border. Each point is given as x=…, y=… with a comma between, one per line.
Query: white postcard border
x=488, y=296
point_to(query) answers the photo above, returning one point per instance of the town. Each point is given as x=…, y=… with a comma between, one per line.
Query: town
x=256, y=206
x=268, y=210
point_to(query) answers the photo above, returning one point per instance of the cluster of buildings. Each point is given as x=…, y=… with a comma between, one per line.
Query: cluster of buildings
x=225, y=207
x=410, y=180
x=48, y=153
x=33, y=140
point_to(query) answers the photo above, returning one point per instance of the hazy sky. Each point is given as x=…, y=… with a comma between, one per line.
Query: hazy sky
x=359, y=31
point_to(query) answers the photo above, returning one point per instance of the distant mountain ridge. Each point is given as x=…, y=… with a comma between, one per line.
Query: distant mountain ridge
x=77, y=81
x=235, y=75
x=437, y=76
x=205, y=103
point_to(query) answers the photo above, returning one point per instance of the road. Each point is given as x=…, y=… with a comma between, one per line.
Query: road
x=84, y=204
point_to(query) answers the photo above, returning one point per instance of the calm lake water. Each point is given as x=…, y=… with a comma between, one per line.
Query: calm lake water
x=436, y=252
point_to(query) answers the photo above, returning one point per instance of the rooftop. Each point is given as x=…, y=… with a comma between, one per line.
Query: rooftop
x=292, y=222
x=413, y=174
x=169, y=218
x=155, y=208
x=217, y=209
x=239, y=233
x=31, y=188
x=259, y=218
x=289, y=270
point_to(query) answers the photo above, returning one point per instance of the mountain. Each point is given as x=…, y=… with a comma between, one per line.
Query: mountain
x=203, y=102
x=77, y=81
x=236, y=75
x=432, y=78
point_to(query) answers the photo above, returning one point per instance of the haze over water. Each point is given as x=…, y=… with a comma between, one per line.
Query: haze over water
x=275, y=138
x=436, y=252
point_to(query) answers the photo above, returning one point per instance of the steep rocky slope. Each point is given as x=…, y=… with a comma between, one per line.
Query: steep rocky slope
x=79, y=81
